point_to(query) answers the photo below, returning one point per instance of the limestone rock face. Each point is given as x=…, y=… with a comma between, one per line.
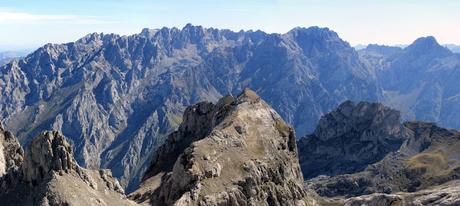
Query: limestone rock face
x=240, y=153
x=49, y=175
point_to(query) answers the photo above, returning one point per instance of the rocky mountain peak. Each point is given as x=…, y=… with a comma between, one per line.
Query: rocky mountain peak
x=314, y=31
x=198, y=121
x=49, y=175
x=192, y=28
x=248, y=96
x=365, y=132
x=359, y=117
x=149, y=33
x=315, y=39
x=247, y=157
x=426, y=41
x=92, y=37
x=428, y=46
x=396, y=163
x=48, y=152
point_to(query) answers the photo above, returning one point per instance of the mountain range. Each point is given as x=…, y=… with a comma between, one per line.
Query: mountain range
x=117, y=98
x=239, y=151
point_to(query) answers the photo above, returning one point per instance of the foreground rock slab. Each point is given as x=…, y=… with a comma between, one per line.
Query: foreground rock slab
x=236, y=152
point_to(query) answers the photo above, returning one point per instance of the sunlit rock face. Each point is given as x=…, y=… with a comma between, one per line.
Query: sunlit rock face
x=235, y=152
x=48, y=175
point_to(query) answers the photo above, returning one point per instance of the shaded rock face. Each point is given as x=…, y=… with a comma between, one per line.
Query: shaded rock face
x=198, y=121
x=415, y=156
x=48, y=175
x=117, y=97
x=350, y=138
x=11, y=153
x=242, y=154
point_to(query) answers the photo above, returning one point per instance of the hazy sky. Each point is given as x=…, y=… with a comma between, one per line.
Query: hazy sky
x=25, y=24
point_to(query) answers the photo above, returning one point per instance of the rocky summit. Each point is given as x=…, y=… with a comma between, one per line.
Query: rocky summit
x=235, y=152
x=363, y=154
x=48, y=175
x=350, y=138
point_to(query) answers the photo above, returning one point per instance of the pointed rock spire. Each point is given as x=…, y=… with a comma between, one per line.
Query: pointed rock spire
x=48, y=152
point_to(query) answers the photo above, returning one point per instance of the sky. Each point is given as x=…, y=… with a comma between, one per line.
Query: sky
x=27, y=24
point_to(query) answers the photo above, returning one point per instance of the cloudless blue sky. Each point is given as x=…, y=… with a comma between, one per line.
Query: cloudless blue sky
x=31, y=23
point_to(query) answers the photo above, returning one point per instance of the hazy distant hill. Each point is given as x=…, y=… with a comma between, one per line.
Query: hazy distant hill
x=454, y=48
x=7, y=56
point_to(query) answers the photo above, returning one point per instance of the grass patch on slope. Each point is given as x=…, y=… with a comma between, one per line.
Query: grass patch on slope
x=429, y=163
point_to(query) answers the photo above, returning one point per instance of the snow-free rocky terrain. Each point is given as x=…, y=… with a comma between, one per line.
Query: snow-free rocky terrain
x=239, y=151
x=117, y=97
x=47, y=174
x=362, y=151
x=236, y=152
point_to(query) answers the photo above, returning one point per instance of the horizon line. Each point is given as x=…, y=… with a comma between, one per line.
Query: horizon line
x=23, y=47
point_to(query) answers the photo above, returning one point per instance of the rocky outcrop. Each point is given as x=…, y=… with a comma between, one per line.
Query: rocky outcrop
x=236, y=152
x=350, y=138
x=46, y=153
x=49, y=175
x=11, y=153
x=446, y=194
x=407, y=159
